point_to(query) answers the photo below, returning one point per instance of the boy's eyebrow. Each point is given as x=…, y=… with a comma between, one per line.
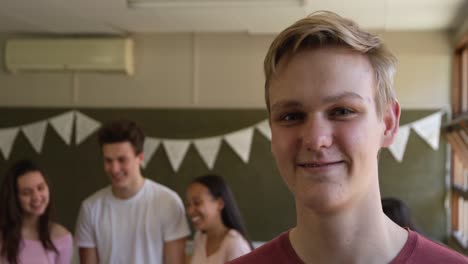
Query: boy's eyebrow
x=285, y=104
x=332, y=98
x=341, y=96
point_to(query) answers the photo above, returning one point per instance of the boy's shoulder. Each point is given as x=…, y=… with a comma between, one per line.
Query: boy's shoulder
x=419, y=249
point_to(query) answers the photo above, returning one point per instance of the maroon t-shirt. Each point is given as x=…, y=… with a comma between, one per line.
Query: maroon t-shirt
x=417, y=250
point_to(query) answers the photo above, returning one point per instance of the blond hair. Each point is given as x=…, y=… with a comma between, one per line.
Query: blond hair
x=325, y=28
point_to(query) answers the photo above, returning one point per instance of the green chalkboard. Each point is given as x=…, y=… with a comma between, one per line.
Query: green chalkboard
x=268, y=207
x=420, y=179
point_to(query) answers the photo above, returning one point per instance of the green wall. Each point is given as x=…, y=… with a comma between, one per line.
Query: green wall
x=419, y=180
x=267, y=206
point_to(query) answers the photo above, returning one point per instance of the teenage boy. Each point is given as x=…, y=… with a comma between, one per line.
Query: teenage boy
x=332, y=108
x=134, y=220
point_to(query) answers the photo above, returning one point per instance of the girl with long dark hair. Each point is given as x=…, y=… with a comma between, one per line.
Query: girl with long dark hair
x=220, y=235
x=27, y=234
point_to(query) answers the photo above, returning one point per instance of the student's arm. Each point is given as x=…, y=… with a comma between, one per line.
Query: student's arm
x=87, y=248
x=88, y=256
x=175, y=229
x=174, y=251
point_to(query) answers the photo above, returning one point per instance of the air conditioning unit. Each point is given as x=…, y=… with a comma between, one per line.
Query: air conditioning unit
x=70, y=54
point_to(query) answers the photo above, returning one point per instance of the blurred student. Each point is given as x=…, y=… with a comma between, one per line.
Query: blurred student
x=398, y=212
x=220, y=235
x=332, y=108
x=28, y=236
x=134, y=220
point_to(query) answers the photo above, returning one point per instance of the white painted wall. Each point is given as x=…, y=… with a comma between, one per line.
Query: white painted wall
x=461, y=31
x=217, y=71
x=423, y=77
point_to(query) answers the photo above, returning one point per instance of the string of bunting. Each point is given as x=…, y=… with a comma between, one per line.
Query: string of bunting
x=240, y=141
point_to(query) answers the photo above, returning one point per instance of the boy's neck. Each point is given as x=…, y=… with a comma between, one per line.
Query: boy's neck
x=129, y=191
x=345, y=238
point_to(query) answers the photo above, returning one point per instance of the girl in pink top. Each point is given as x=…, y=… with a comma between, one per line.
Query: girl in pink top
x=27, y=233
x=220, y=235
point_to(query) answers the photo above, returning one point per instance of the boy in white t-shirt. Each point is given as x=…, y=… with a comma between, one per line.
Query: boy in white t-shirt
x=134, y=220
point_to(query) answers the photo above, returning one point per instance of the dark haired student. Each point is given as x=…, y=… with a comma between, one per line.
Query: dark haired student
x=28, y=235
x=399, y=212
x=221, y=235
x=134, y=220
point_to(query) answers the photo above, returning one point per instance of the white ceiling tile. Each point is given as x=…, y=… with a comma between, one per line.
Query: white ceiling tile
x=256, y=16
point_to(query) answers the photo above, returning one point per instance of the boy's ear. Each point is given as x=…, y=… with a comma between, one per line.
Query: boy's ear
x=141, y=157
x=391, y=119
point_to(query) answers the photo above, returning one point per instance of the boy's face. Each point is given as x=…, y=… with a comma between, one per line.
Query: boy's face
x=326, y=133
x=121, y=164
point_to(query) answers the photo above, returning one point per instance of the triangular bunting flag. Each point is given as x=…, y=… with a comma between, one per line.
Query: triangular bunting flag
x=399, y=144
x=63, y=125
x=241, y=142
x=264, y=128
x=176, y=150
x=208, y=149
x=428, y=129
x=35, y=133
x=149, y=148
x=7, y=138
x=84, y=127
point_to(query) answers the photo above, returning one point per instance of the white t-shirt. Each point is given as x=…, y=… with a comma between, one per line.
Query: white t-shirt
x=132, y=230
x=233, y=246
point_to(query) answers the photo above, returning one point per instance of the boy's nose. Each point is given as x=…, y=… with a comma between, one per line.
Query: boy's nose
x=317, y=134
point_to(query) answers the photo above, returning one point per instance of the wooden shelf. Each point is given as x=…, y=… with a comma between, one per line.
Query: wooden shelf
x=456, y=133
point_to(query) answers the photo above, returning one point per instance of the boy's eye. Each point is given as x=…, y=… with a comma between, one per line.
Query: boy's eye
x=342, y=112
x=292, y=116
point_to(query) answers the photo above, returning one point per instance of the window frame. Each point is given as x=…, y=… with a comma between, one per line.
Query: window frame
x=456, y=133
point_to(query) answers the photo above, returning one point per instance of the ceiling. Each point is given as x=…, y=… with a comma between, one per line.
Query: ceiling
x=124, y=17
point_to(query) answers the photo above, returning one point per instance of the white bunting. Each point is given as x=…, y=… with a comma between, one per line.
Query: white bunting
x=264, y=128
x=399, y=144
x=176, y=150
x=63, y=125
x=35, y=133
x=84, y=126
x=149, y=148
x=208, y=149
x=428, y=129
x=241, y=142
x=7, y=138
